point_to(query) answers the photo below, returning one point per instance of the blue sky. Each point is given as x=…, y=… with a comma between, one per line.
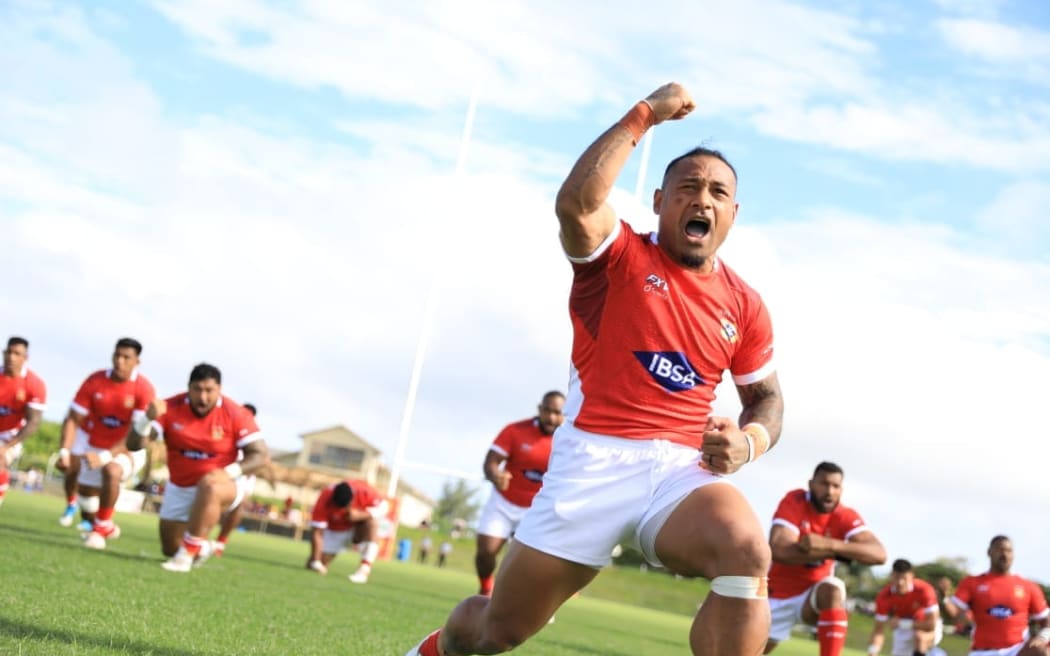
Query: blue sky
x=271, y=187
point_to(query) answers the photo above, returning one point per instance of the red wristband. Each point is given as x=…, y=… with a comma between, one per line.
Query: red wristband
x=638, y=120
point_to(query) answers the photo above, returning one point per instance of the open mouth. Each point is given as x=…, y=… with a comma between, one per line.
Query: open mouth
x=698, y=227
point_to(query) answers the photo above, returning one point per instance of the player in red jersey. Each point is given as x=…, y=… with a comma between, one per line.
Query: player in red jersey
x=205, y=433
x=23, y=397
x=1003, y=605
x=811, y=530
x=657, y=320
x=346, y=513
x=93, y=452
x=515, y=465
x=910, y=604
x=231, y=519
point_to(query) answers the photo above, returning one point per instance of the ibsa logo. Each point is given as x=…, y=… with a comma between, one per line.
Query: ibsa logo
x=670, y=369
x=4, y=411
x=533, y=475
x=1001, y=612
x=109, y=421
x=196, y=455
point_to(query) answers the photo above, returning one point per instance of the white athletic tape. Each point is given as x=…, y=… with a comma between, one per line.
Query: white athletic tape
x=740, y=587
x=89, y=504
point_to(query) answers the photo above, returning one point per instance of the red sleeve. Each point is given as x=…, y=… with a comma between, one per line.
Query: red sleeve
x=1037, y=600
x=790, y=511
x=847, y=523
x=964, y=592
x=37, y=391
x=367, y=497
x=882, y=602
x=83, y=396
x=609, y=252
x=504, y=442
x=928, y=597
x=320, y=512
x=144, y=393
x=244, y=424
x=753, y=356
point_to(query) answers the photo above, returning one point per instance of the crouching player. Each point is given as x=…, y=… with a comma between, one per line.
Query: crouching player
x=911, y=604
x=203, y=432
x=346, y=513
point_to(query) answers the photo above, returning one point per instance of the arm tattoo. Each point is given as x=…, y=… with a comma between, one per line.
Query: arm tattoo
x=764, y=404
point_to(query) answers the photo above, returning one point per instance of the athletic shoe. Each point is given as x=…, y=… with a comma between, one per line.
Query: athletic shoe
x=84, y=526
x=68, y=515
x=203, y=555
x=361, y=575
x=95, y=540
x=180, y=562
x=218, y=548
x=418, y=649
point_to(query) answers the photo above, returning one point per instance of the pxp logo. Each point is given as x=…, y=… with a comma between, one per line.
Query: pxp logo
x=670, y=369
x=1001, y=612
x=655, y=284
x=109, y=421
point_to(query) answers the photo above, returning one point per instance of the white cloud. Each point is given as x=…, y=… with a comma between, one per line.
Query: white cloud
x=996, y=42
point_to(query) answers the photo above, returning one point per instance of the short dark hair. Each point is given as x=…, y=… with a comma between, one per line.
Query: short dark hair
x=17, y=341
x=342, y=495
x=251, y=408
x=901, y=566
x=550, y=395
x=700, y=151
x=828, y=468
x=205, y=371
x=997, y=539
x=128, y=342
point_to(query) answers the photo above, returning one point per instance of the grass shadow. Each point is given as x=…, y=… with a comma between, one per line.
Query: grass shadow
x=41, y=634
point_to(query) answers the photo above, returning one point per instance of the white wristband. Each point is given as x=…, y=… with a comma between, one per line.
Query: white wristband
x=142, y=425
x=105, y=457
x=233, y=470
x=63, y=452
x=1044, y=634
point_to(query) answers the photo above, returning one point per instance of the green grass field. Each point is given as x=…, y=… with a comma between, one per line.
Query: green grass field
x=59, y=598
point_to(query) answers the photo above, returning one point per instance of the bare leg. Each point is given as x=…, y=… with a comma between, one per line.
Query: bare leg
x=485, y=560
x=714, y=532
x=530, y=586
x=171, y=536
x=213, y=495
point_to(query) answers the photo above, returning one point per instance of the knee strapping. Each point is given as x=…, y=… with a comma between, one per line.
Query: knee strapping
x=89, y=504
x=740, y=587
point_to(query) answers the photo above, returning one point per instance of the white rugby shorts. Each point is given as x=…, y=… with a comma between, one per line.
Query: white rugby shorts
x=178, y=500
x=129, y=464
x=600, y=491
x=12, y=453
x=904, y=637
x=786, y=613
x=499, y=517
x=334, y=542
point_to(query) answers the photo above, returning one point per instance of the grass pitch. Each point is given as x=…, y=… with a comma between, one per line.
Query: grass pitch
x=58, y=598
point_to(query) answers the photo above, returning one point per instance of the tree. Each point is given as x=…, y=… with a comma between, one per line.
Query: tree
x=457, y=502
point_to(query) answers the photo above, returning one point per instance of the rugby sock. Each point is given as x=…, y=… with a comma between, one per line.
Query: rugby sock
x=430, y=645
x=369, y=551
x=104, y=521
x=71, y=500
x=831, y=631
x=486, y=585
x=223, y=539
x=192, y=544
x=5, y=481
